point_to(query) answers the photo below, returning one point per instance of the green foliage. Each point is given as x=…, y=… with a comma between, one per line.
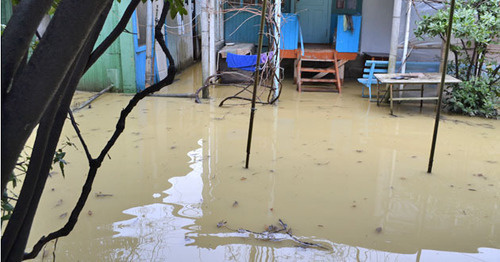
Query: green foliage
x=476, y=25
x=473, y=20
x=8, y=196
x=59, y=158
x=177, y=6
x=475, y=97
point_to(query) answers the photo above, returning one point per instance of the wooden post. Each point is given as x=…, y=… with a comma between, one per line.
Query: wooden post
x=443, y=75
x=256, y=82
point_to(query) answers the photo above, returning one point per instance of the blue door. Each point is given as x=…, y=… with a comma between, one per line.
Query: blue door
x=315, y=20
x=160, y=63
x=139, y=27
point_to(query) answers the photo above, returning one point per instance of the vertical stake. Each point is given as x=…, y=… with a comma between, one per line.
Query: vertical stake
x=443, y=75
x=256, y=81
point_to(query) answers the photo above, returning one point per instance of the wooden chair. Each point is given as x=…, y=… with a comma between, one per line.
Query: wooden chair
x=371, y=67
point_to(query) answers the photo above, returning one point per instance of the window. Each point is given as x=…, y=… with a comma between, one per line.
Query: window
x=347, y=7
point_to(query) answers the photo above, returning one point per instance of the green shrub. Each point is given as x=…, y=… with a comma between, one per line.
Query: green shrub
x=475, y=97
x=476, y=25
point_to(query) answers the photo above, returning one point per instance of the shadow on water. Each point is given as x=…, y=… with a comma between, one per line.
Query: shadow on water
x=340, y=171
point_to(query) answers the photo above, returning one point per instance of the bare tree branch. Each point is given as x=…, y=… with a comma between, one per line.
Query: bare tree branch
x=16, y=233
x=64, y=38
x=77, y=129
x=114, y=34
x=120, y=126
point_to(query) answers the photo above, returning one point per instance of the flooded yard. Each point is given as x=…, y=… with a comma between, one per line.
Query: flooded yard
x=340, y=171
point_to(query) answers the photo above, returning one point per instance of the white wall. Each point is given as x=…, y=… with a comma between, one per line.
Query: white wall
x=376, y=25
x=376, y=29
x=180, y=39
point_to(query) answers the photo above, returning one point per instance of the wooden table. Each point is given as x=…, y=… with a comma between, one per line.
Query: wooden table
x=409, y=79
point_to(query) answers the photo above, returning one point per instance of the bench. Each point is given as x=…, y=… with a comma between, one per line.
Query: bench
x=372, y=67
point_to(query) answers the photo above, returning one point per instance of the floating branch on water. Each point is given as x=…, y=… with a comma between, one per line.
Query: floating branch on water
x=274, y=233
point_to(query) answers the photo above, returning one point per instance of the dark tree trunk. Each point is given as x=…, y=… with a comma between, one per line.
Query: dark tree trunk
x=75, y=24
x=43, y=75
x=17, y=37
x=95, y=163
x=16, y=234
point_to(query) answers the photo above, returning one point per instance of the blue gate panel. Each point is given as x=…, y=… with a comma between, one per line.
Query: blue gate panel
x=289, y=31
x=348, y=40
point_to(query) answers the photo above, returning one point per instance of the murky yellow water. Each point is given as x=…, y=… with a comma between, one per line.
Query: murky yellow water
x=334, y=167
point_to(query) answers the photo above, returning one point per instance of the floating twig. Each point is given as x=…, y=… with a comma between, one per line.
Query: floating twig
x=273, y=233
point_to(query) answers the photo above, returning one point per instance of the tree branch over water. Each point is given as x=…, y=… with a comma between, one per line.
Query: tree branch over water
x=95, y=163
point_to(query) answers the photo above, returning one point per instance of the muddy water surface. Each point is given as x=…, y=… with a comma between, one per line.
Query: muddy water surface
x=337, y=169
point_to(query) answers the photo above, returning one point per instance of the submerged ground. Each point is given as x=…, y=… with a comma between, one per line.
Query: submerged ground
x=340, y=171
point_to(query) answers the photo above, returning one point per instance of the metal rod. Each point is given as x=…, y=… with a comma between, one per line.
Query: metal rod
x=94, y=97
x=256, y=81
x=443, y=75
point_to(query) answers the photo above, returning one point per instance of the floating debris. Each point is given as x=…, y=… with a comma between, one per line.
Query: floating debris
x=472, y=189
x=378, y=230
x=100, y=194
x=359, y=151
x=243, y=178
x=221, y=223
x=235, y=204
x=275, y=233
x=59, y=202
x=480, y=175
x=90, y=212
x=63, y=215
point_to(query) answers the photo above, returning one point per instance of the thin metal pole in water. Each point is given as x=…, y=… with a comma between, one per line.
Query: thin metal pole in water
x=443, y=75
x=256, y=81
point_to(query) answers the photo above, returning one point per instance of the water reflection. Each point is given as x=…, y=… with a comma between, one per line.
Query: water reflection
x=334, y=168
x=161, y=228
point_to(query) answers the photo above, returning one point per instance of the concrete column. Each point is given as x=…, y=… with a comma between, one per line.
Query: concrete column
x=393, y=51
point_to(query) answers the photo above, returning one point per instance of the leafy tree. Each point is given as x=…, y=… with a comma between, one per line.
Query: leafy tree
x=476, y=26
x=37, y=91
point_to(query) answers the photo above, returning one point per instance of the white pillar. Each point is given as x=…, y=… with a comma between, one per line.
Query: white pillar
x=211, y=31
x=405, y=45
x=393, y=51
x=205, y=69
x=407, y=36
x=277, y=40
x=149, y=44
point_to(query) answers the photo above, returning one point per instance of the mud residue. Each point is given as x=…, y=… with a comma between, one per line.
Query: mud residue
x=338, y=168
